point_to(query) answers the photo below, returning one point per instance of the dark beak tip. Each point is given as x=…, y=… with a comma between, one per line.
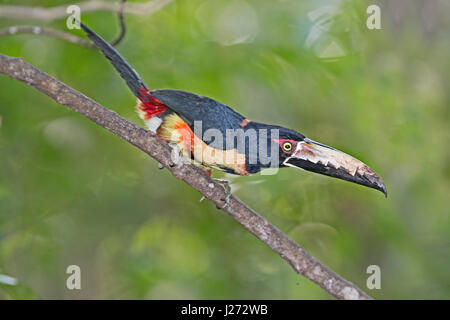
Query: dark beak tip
x=363, y=175
x=383, y=189
x=379, y=185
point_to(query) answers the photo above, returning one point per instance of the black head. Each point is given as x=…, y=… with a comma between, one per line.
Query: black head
x=270, y=147
x=286, y=142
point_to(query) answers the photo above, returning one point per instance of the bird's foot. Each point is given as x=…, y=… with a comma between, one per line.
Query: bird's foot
x=176, y=154
x=226, y=186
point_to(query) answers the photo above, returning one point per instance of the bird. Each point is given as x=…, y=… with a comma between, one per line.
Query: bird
x=214, y=136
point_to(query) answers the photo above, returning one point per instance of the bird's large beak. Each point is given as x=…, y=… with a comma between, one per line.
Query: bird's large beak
x=319, y=158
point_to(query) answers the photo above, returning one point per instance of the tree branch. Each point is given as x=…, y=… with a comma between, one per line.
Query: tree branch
x=36, y=30
x=300, y=260
x=58, y=12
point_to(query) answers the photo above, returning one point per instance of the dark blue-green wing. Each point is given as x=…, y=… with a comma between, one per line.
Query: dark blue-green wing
x=192, y=107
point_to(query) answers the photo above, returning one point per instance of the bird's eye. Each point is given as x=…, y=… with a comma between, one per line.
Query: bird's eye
x=287, y=146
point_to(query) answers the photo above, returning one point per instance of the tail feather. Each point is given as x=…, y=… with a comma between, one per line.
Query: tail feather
x=148, y=106
x=131, y=77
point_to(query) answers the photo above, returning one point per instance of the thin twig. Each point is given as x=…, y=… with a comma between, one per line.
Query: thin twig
x=45, y=31
x=123, y=27
x=300, y=260
x=36, y=30
x=58, y=12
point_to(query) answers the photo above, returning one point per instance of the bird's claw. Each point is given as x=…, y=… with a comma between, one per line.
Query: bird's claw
x=226, y=186
x=176, y=154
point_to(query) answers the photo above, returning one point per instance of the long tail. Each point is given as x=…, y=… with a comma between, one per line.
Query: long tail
x=133, y=80
x=148, y=106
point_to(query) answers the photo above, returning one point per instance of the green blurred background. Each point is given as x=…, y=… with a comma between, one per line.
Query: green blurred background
x=72, y=193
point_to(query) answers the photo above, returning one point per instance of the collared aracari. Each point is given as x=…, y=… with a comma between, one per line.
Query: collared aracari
x=173, y=114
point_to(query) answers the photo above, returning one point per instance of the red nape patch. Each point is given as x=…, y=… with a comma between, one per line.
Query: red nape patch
x=149, y=105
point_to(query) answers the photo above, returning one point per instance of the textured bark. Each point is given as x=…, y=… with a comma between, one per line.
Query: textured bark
x=300, y=260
